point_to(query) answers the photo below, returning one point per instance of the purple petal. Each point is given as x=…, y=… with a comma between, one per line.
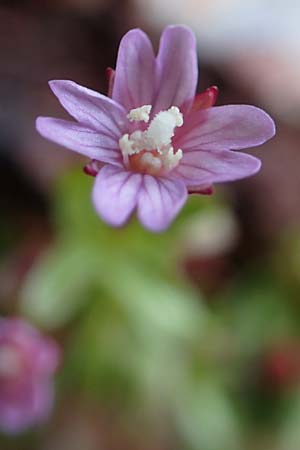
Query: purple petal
x=225, y=127
x=208, y=167
x=177, y=70
x=15, y=329
x=90, y=108
x=26, y=389
x=159, y=201
x=26, y=405
x=134, y=82
x=43, y=399
x=47, y=357
x=81, y=139
x=115, y=194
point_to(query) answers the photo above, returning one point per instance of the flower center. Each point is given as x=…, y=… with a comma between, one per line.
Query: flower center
x=151, y=151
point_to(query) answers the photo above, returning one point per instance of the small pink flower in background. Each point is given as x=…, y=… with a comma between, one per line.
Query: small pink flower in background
x=27, y=363
x=153, y=141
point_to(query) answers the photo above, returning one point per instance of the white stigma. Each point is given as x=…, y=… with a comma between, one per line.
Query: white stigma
x=140, y=114
x=156, y=138
x=161, y=129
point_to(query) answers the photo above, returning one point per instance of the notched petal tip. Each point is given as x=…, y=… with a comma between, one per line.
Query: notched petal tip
x=270, y=125
x=134, y=81
x=41, y=124
x=257, y=120
x=159, y=202
x=181, y=35
x=256, y=166
x=132, y=36
x=177, y=69
x=229, y=127
x=243, y=165
x=56, y=85
x=63, y=88
x=205, y=168
x=262, y=125
x=181, y=28
x=115, y=194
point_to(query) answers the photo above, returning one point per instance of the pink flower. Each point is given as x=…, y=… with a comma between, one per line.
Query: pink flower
x=27, y=363
x=153, y=142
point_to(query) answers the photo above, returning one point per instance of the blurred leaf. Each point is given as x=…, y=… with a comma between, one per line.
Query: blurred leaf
x=98, y=359
x=289, y=436
x=257, y=311
x=287, y=257
x=206, y=418
x=58, y=285
x=161, y=307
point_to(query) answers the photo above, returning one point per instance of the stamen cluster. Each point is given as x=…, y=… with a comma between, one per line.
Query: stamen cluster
x=153, y=146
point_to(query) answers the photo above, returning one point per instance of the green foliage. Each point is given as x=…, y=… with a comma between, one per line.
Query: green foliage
x=206, y=416
x=256, y=311
x=130, y=264
x=139, y=337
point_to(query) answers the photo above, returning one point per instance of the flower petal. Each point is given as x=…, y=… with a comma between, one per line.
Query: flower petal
x=90, y=108
x=134, y=82
x=28, y=404
x=115, y=194
x=207, y=167
x=225, y=127
x=159, y=201
x=83, y=140
x=177, y=70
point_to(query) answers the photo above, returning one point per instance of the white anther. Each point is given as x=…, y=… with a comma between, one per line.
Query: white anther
x=171, y=159
x=155, y=142
x=127, y=145
x=139, y=141
x=135, y=143
x=177, y=115
x=140, y=114
x=161, y=128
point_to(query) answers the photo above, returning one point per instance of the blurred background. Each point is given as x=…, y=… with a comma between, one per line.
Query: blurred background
x=188, y=340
